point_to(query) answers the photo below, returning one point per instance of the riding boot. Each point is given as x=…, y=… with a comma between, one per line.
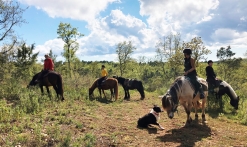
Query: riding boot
x=202, y=95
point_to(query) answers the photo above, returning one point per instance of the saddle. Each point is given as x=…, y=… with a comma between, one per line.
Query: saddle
x=128, y=82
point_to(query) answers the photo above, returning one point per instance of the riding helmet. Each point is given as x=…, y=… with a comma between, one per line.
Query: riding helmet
x=187, y=51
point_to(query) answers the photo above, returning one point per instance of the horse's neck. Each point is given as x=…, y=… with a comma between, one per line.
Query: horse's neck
x=174, y=93
x=229, y=91
x=121, y=80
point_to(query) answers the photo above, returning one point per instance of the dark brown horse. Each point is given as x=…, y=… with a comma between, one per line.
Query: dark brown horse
x=49, y=79
x=109, y=83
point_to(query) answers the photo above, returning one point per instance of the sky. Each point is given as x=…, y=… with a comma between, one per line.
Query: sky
x=105, y=23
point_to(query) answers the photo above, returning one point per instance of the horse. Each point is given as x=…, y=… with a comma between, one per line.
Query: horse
x=181, y=91
x=225, y=88
x=49, y=79
x=109, y=83
x=130, y=84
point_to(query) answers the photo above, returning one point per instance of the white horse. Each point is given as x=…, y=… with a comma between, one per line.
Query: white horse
x=182, y=92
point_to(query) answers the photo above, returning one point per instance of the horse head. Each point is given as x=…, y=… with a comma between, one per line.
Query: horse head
x=90, y=91
x=169, y=106
x=234, y=103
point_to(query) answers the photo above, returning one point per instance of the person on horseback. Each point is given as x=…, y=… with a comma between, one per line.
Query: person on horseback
x=48, y=66
x=211, y=76
x=190, y=72
x=104, y=74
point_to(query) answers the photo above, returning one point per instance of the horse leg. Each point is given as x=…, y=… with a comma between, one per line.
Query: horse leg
x=128, y=94
x=196, y=106
x=111, y=93
x=125, y=93
x=187, y=110
x=42, y=90
x=203, y=110
x=100, y=92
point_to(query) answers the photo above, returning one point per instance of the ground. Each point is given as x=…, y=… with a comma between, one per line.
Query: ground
x=103, y=123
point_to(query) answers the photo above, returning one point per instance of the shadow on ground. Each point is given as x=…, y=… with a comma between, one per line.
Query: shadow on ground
x=186, y=136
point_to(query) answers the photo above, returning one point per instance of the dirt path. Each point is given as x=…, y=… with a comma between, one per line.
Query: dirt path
x=114, y=124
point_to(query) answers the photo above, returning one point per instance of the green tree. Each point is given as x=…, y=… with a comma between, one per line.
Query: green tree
x=226, y=62
x=198, y=49
x=124, y=51
x=24, y=59
x=169, y=51
x=70, y=36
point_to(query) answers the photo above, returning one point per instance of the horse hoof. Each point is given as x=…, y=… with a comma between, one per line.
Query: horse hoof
x=196, y=115
x=142, y=98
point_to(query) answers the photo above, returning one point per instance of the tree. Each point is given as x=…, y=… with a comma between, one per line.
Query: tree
x=25, y=58
x=198, y=49
x=170, y=51
x=124, y=50
x=70, y=36
x=226, y=62
x=10, y=16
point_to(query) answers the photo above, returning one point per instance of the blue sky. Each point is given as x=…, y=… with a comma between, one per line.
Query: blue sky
x=105, y=23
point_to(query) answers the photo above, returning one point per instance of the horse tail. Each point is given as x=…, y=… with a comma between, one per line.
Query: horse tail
x=60, y=86
x=116, y=90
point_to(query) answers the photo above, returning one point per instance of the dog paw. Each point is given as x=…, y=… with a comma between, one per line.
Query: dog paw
x=162, y=128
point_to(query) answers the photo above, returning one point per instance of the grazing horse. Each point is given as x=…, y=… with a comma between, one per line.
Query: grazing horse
x=131, y=84
x=225, y=88
x=49, y=79
x=181, y=91
x=109, y=83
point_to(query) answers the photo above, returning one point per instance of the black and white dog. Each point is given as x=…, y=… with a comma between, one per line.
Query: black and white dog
x=151, y=118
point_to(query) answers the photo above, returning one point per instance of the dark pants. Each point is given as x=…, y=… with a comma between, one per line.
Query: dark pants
x=100, y=81
x=212, y=82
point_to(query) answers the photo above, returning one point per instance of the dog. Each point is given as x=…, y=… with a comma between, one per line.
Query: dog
x=151, y=118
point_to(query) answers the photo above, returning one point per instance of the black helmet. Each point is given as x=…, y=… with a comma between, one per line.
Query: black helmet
x=210, y=61
x=187, y=51
x=103, y=66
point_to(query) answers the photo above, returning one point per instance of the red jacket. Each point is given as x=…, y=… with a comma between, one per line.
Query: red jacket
x=48, y=64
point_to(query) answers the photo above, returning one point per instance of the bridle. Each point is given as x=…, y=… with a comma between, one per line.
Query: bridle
x=174, y=106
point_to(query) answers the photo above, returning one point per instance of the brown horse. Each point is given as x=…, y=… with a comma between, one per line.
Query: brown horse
x=50, y=79
x=109, y=83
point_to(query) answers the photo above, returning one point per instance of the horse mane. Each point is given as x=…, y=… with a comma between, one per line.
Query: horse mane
x=232, y=92
x=175, y=81
x=94, y=84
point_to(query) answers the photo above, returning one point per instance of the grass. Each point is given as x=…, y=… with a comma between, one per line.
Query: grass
x=34, y=120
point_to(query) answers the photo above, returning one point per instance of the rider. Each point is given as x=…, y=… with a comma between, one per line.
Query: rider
x=211, y=76
x=48, y=66
x=190, y=72
x=104, y=74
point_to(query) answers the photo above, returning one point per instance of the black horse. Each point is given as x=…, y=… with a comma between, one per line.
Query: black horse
x=49, y=79
x=225, y=88
x=130, y=84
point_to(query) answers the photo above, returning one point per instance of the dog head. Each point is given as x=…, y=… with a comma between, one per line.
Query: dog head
x=157, y=109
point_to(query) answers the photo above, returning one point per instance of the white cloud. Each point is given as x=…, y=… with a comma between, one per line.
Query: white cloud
x=214, y=20
x=76, y=9
x=173, y=14
x=230, y=36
